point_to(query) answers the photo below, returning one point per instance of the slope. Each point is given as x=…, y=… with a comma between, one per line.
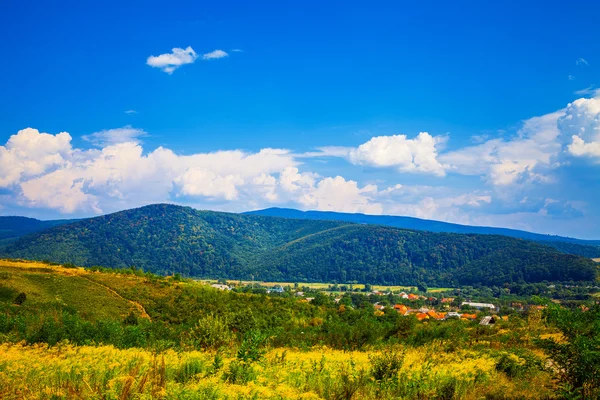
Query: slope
x=169, y=239
x=586, y=248
x=383, y=255
x=46, y=285
x=12, y=228
x=165, y=239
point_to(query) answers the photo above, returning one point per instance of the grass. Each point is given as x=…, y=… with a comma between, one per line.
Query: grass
x=45, y=283
x=66, y=371
x=324, y=286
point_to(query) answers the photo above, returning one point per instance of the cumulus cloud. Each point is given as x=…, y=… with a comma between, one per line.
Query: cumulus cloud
x=408, y=155
x=114, y=136
x=30, y=153
x=418, y=155
x=525, y=158
x=581, y=126
x=215, y=54
x=44, y=171
x=581, y=62
x=169, y=62
x=206, y=183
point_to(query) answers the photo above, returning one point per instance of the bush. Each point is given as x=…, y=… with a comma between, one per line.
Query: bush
x=210, y=332
x=20, y=299
x=387, y=366
x=239, y=373
x=251, y=347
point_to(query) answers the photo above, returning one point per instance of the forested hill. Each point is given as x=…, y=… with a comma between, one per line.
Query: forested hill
x=14, y=227
x=172, y=239
x=586, y=248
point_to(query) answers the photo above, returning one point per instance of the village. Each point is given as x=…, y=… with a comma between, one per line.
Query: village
x=406, y=303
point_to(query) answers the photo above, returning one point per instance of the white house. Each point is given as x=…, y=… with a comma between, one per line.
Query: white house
x=479, y=306
x=220, y=287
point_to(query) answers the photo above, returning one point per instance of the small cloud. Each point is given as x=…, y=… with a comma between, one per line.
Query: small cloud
x=588, y=91
x=109, y=137
x=480, y=138
x=130, y=112
x=571, y=78
x=169, y=62
x=582, y=62
x=213, y=55
x=236, y=50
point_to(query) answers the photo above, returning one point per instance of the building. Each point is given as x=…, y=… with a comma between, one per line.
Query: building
x=479, y=306
x=220, y=287
x=487, y=321
x=453, y=314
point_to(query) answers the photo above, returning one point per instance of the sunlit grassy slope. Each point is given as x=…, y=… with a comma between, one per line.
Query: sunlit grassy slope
x=46, y=284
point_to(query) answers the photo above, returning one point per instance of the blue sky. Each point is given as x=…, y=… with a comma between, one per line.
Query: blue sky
x=464, y=112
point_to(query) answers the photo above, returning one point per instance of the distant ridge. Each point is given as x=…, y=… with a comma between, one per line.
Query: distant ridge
x=12, y=228
x=435, y=226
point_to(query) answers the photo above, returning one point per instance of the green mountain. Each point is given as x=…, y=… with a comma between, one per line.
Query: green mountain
x=585, y=248
x=12, y=228
x=172, y=239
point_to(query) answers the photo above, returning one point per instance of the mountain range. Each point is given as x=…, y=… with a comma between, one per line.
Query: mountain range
x=586, y=248
x=171, y=239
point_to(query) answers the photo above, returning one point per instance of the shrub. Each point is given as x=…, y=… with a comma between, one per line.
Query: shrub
x=20, y=299
x=239, y=373
x=251, y=347
x=210, y=332
x=387, y=365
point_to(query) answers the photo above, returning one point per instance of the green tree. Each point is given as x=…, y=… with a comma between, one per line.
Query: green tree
x=577, y=356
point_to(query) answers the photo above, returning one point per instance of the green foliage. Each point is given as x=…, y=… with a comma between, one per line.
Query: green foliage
x=239, y=373
x=167, y=239
x=386, y=366
x=210, y=332
x=252, y=347
x=576, y=358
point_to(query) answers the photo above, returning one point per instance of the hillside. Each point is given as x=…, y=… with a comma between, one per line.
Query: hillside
x=170, y=239
x=585, y=248
x=125, y=334
x=12, y=228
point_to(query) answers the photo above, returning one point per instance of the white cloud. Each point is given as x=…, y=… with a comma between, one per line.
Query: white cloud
x=130, y=112
x=581, y=61
x=30, y=153
x=215, y=54
x=407, y=155
x=206, y=183
x=237, y=50
x=524, y=158
x=169, y=62
x=62, y=190
x=582, y=149
x=114, y=136
x=571, y=77
x=589, y=91
x=339, y=194
x=581, y=126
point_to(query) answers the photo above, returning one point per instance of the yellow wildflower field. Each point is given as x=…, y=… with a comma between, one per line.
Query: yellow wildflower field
x=105, y=372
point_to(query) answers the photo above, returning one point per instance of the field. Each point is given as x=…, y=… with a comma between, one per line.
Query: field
x=324, y=286
x=125, y=334
x=65, y=371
